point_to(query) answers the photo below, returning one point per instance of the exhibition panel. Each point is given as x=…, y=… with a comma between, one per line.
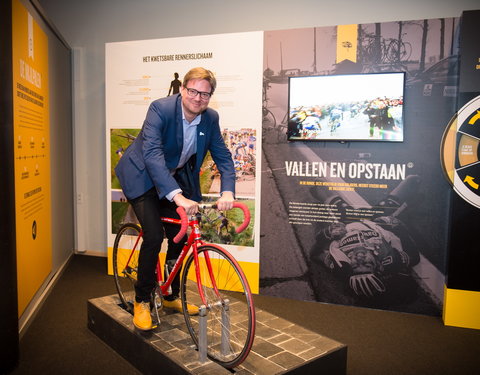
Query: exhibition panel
x=9, y=313
x=351, y=122
x=37, y=157
x=462, y=299
x=364, y=205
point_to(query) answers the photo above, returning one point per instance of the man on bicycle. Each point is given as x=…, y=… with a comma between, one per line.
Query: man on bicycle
x=160, y=171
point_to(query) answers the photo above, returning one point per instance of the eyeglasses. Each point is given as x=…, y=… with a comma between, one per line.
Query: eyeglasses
x=193, y=93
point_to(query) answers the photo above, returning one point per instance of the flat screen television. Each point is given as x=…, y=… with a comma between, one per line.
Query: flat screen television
x=346, y=107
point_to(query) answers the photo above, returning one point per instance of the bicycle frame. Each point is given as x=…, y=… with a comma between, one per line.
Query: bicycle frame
x=194, y=240
x=212, y=269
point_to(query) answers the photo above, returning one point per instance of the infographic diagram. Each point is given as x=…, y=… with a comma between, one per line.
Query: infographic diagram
x=460, y=152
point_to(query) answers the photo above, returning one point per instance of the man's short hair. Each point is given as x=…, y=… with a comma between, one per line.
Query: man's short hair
x=200, y=73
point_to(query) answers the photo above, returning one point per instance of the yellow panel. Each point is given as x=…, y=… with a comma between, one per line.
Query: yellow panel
x=461, y=308
x=32, y=154
x=125, y=253
x=109, y=260
x=347, y=43
x=251, y=270
x=252, y=273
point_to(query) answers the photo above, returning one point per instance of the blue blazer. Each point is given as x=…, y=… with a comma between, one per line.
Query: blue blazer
x=147, y=162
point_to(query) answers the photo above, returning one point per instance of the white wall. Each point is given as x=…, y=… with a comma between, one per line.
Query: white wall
x=88, y=24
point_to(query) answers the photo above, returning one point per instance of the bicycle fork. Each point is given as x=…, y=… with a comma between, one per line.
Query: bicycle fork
x=206, y=308
x=198, y=275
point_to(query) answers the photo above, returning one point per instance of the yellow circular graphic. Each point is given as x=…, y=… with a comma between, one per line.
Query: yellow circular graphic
x=460, y=151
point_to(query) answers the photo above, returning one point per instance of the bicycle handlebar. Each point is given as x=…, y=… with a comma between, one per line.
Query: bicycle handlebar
x=246, y=216
x=184, y=220
x=183, y=224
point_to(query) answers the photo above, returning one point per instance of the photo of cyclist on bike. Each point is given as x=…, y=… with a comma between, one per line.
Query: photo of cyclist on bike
x=160, y=170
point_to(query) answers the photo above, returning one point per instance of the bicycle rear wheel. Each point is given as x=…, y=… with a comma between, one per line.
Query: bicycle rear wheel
x=230, y=318
x=126, y=249
x=269, y=120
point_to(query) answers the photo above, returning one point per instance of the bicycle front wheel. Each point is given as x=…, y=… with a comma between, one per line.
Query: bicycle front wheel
x=230, y=314
x=126, y=249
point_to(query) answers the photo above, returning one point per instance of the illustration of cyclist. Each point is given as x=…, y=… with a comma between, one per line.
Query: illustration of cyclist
x=372, y=257
x=366, y=255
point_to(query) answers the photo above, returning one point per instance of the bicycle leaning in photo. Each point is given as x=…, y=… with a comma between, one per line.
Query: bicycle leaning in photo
x=211, y=279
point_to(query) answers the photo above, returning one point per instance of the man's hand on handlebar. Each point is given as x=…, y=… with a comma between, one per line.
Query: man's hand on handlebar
x=225, y=202
x=191, y=207
x=187, y=207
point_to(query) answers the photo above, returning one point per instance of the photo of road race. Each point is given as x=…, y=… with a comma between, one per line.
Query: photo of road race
x=346, y=107
x=242, y=144
x=352, y=215
x=377, y=119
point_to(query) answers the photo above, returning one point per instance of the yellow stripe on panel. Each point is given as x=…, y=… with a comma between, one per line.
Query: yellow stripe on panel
x=347, y=42
x=461, y=308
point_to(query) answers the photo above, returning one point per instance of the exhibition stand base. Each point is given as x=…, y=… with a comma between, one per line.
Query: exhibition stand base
x=280, y=347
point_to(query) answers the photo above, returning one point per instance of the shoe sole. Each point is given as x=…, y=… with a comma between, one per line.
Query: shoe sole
x=145, y=329
x=181, y=311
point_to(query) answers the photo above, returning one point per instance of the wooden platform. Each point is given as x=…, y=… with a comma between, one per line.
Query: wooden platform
x=280, y=346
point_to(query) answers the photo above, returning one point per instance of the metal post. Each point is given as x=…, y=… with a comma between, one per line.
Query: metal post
x=157, y=303
x=202, y=334
x=225, y=346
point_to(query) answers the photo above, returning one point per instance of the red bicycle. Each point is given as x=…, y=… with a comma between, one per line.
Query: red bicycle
x=211, y=279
